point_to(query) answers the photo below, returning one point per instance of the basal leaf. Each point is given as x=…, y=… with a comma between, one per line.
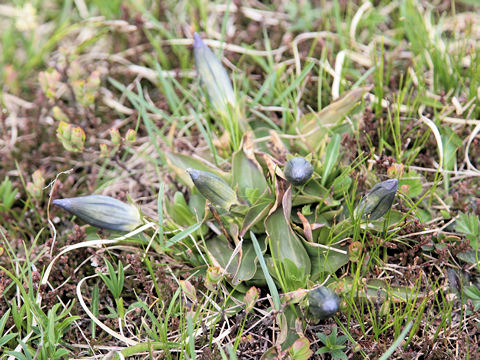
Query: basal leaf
x=255, y=214
x=284, y=244
x=248, y=264
x=313, y=126
x=470, y=257
x=221, y=253
x=325, y=260
x=246, y=174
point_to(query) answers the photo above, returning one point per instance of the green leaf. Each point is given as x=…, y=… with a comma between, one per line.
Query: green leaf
x=323, y=350
x=120, y=278
x=338, y=354
x=51, y=326
x=6, y=338
x=17, y=314
x=470, y=256
x=59, y=353
x=94, y=303
x=254, y=215
x=285, y=244
x=469, y=225
x=451, y=142
x=313, y=125
x=182, y=235
x=3, y=321
x=268, y=277
x=248, y=264
x=331, y=157
x=341, y=184
x=7, y=195
x=179, y=210
x=17, y=355
x=411, y=184
x=246, y=174
x=472, y=292
x=221, y=253
x=328, y=262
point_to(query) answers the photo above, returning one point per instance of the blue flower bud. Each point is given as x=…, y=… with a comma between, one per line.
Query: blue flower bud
x=213, y=75
x=213, y=188
x=298, y=171
x=379, y=200
x=102, y=211
x=323, y=303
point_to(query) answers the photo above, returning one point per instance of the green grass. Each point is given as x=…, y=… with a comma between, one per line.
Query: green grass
x=365, y=93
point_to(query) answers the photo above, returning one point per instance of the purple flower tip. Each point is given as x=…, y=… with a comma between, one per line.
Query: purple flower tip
x=63, y=203
x=197, y=41
x=193, y=173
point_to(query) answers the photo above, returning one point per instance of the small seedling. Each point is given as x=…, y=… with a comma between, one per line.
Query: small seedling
x=333, y=345
x=115, y=283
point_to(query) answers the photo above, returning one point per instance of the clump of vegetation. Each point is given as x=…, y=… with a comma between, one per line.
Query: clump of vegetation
x=312, y=188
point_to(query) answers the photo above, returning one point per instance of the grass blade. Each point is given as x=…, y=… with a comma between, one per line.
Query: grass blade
x=268, y=277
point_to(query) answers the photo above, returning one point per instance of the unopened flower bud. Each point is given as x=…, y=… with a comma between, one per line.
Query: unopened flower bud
x=251, y=298
x=189, y=290
x=379, y=200
x=214, y=276
x=102, y=211
x=213, y=188
x=72, y=137
x=130, y=136
x=35, y=188
x=323, y=303
x=213, y=75
x=294, y=297
x=115, y=136
x=355, y=251
x=300, y=349
x=298, y=171
x=59, y=115
x=104, y=152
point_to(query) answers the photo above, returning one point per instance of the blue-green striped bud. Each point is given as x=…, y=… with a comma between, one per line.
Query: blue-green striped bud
x=323, y=303
x=298, y=170
x=379, y=200
x=102, y=211
x=213, y=188
x=213, y=76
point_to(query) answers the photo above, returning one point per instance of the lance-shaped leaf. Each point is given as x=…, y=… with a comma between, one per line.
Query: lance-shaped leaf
x=102, y=211
x=213, y=76
x=247, y=172
x=255, y=214
x=325, y=259
x=286, y=247
x=313, y=126
x=221, y=254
